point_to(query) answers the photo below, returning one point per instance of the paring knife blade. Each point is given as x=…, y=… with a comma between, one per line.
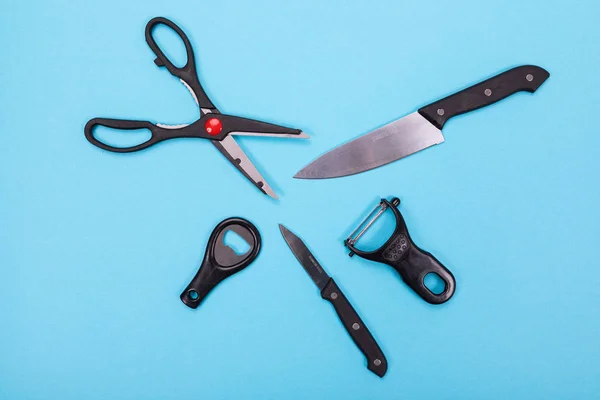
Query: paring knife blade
x=421, y=129
x=330, y=291
x=305, y=258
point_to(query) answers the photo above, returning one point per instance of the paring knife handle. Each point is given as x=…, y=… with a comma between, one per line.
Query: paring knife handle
x=376, y=361
x=524, y=78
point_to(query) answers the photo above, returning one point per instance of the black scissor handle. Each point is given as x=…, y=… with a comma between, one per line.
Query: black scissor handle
x=158, y=133
x=220, y=261
x=188, y=73
x=411, y=262
x=198, y=129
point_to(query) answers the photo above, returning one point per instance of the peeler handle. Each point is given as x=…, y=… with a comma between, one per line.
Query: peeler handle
x=416, y=265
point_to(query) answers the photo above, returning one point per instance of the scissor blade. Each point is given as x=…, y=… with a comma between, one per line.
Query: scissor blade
x=234, y=153
x=300, y=135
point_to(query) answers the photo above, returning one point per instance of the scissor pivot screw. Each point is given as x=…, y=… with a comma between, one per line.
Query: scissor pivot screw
x=213, y=126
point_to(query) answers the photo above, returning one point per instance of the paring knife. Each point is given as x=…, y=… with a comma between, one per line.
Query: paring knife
x=421, y=129
x=330, y=291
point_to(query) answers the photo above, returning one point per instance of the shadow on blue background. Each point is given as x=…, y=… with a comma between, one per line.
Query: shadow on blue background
x=95, y=247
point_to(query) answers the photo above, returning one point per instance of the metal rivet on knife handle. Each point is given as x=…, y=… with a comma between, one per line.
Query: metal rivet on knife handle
x=488, y=92
x=529, y=77
x=377, y=362
x=355, y=326
x=333, y=295
x=440, y=111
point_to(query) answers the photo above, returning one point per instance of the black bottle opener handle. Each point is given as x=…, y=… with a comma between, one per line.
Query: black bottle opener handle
x=220, y=261
x=411, y=262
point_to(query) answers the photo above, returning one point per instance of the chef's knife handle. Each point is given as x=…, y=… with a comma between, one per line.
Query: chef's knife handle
x=524, y=78
x=376, y=361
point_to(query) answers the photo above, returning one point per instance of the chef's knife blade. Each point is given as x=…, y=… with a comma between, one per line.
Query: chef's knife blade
x=395, y=140
x=330, y=291
x=421, y=129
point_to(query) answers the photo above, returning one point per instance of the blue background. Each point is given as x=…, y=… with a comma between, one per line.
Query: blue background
x=95, y=247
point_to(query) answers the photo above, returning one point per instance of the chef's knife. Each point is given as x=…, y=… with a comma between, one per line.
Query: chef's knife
x=421, y=129
x=331, y=292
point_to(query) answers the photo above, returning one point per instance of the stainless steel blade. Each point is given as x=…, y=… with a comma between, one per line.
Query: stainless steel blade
x=305, y=257
x=234, y=153
x=389, y=143
x=302, y=135
x=190, y=90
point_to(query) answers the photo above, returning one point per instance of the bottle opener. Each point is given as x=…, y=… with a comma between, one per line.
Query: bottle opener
x=400, y=252
x=220, y=261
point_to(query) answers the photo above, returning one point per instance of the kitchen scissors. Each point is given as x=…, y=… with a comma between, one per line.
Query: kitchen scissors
x=212, y=125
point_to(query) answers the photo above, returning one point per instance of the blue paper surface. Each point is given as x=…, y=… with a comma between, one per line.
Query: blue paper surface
x=95, y=247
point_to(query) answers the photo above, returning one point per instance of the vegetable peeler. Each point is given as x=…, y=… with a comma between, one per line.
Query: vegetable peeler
x=401, y=253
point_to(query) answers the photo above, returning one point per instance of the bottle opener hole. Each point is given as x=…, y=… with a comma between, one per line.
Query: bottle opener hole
x=236, y=243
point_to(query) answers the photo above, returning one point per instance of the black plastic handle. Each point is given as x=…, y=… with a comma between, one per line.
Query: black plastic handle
x=526, y=78
x=411, y=262
x=376, y=361
x=188, y=73
x=157, y=133
x=220, y=261
x=227, y=123
x=415, y=266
